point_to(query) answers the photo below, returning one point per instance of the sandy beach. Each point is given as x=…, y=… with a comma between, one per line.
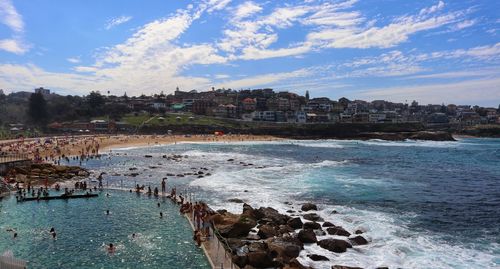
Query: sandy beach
x=53, y=148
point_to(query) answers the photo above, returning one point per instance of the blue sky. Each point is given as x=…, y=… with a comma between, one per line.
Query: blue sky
x=398, y=50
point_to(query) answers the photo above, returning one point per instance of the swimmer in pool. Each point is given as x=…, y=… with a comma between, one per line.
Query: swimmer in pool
x=111, y=248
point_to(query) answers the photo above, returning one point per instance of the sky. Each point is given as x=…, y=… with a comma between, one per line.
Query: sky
x=397, y=50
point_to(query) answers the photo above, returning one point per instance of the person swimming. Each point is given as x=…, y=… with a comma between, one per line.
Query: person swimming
x=161, y=215
x=53, y=233
x=111, y=248
x=107, y=212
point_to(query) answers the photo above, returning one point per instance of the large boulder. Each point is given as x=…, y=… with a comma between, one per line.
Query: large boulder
x=259, y=259
x=284, y=248
x=295, y=264
x=307, y=236
x=236, y=228
x=328, y=224
x=250, y=212
x=266, y=231
x=312, y=217
x=311, y=225
x=285, y=229
x=235, y=244
x=337, y=231
x=358, y=240
x=308, y=206
x=335, y=245
x=295, y=223
x=316, y=257
x=240, y=260
x=273, y=215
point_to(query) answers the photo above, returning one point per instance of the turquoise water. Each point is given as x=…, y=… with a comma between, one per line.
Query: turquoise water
x=83, y=229
x=423, y=204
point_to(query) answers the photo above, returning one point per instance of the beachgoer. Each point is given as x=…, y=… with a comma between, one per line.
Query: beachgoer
x=158, y=204
x=163, y=185
x=111, y=248
x=161, y=215
x=107, y=212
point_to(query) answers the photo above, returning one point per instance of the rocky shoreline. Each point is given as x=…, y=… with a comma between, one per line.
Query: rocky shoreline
x=264, y=238
x=42, y=173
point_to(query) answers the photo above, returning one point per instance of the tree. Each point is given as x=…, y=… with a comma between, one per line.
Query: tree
x=95, y=100
x=37, y=109
x=307, y=95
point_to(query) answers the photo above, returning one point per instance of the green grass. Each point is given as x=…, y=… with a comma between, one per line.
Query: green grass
x=174, y=119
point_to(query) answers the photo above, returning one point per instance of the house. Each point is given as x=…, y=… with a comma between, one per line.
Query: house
x=361, y=117
x=264, y=116
x=469, y=118
x=225, y=111
x=42, y=91
x=376, y=117
x=159, y=105
x=301, y=117
x=203, y=107
x=249, y=104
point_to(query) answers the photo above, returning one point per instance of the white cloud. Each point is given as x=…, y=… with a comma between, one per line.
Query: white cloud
x=379, y=37
x=74, y=60
x=222, y=76
x=432, y=9
x=486, y=91
x=10, y=17
x=464, y=24
x=117, y=21
x=214, y=5
x=247, y=9
x=264, y=80
x=459, y=74
x=253, y=53
x=13, y=45
x=149, y=60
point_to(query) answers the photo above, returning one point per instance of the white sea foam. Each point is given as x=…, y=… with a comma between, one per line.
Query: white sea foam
x=391, y=242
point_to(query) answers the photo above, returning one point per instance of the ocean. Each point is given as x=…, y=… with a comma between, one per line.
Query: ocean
x=422, y=204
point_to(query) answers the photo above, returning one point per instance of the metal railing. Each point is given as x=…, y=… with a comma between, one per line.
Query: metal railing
x=8, y=157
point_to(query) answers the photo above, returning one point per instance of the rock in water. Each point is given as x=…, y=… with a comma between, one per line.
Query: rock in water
x=285, y=249
x=358, y=240
x=335, y=245
x=266, y=231
x=238, y=228
x=235, y=200
x=328, y=224
x=312, y=225
x=345, y=267
x=316, y=257
x=312, y=216
x=295, y=223
x=308, y=206
x=307, y=236
x=337, y=231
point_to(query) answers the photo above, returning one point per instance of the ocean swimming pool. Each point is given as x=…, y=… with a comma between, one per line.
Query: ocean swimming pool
x=83, y=231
